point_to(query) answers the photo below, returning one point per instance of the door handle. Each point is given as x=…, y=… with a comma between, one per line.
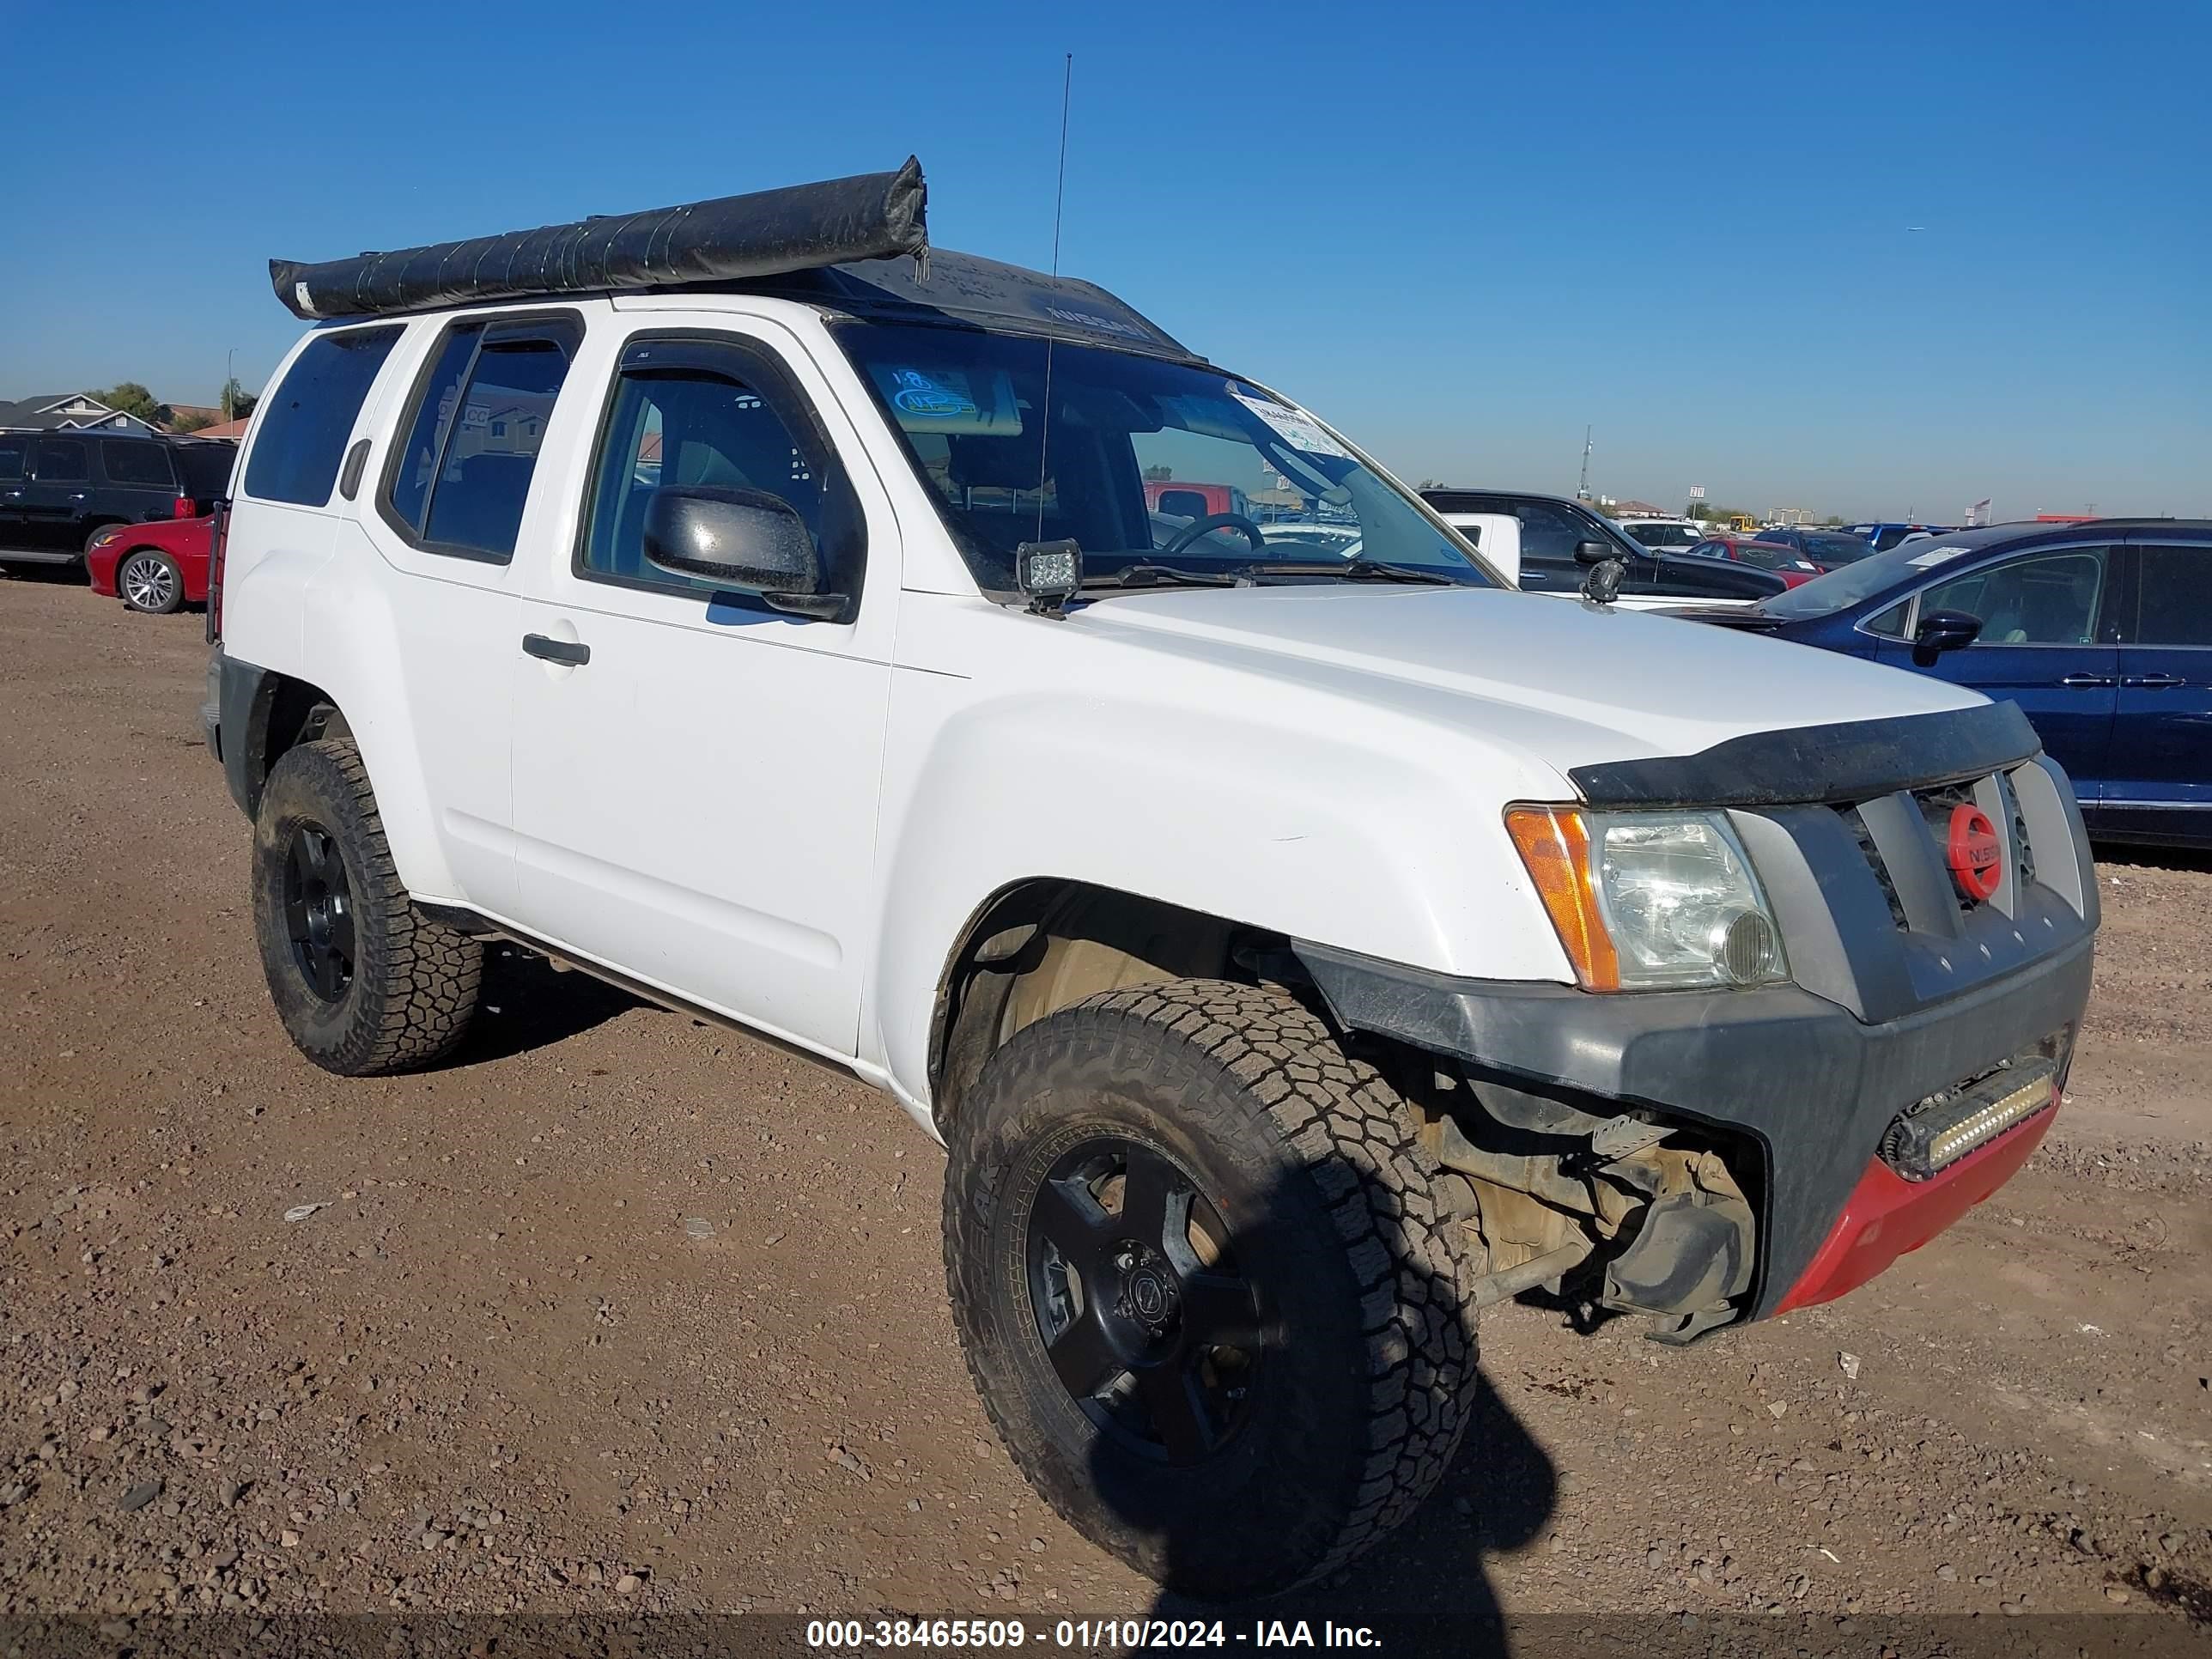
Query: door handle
x=2154, y=682
x=2080, y=682
x=570, y=652
x=78, y=497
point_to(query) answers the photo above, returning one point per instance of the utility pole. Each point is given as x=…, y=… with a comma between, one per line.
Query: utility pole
x=229, y=357
x=1582, y=492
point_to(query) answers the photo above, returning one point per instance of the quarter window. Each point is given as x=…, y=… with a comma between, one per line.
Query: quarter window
x=14, y=453
x=700, y=426
x=60, y=460
x=136, y=464
x=2046, y=598
x=303, y=431
x=1890, y=624
x=2176, y=607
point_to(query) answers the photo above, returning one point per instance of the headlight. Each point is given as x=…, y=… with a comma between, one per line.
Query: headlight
x=1649, y=901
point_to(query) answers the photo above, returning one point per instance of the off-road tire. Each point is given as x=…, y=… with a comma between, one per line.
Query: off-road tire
x=413, y=982
x=1367, y=1377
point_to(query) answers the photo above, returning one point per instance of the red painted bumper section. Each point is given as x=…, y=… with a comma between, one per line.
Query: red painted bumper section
x=1887, y=1215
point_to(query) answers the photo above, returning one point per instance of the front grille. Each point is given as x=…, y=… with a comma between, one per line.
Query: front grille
x=1857, y=824
x=1936, y=806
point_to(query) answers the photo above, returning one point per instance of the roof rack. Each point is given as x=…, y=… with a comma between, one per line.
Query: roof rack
x=769, y=233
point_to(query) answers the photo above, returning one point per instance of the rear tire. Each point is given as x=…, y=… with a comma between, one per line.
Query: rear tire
x=363, y=982
x=149, y=580
x=1279, y=1379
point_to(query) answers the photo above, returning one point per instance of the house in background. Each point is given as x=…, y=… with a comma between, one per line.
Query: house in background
x=69, y=411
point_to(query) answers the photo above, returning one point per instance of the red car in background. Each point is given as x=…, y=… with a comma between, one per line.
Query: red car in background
x=1786, y=562
x=156, y=566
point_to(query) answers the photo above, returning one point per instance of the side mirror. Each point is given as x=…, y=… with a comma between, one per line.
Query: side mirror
x=1941, y=631
x=1595, y=552
x=745, y=539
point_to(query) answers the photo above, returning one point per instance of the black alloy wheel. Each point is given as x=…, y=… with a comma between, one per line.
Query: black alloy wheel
x=318, y=914
x=1148, y=1322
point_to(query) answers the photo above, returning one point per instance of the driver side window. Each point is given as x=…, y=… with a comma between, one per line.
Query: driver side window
x=2045, y=598
x=687, y=419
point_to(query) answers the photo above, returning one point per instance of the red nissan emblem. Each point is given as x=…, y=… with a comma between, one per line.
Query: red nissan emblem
x=1977, y=859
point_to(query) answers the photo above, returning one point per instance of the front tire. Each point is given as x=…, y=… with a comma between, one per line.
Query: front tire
x=149, y=580
x=1204, y=1286
x=363, y=982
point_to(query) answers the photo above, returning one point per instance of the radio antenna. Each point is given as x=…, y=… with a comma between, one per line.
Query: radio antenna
x=1058, y=201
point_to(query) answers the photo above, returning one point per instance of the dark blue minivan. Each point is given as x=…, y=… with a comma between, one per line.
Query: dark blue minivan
x=2101, y=632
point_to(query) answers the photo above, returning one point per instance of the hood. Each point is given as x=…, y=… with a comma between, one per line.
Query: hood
x=1569, y=683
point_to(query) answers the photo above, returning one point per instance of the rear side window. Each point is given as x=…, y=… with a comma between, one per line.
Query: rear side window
x=128, y=463
x=303, y=431
x=2176, y=607
x=14, y=454
x=460, y=482
x=61, y=460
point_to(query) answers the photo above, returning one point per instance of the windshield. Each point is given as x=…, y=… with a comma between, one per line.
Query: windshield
x=1146, y=462
x=1836, y=549
x=1841, y=589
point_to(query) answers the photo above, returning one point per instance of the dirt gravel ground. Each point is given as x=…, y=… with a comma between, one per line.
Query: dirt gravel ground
x=503, y=1366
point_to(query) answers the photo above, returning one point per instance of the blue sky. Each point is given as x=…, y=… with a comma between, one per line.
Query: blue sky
x=1460, y=232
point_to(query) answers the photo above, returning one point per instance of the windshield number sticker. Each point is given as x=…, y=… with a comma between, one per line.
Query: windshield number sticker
x=1294, y=426
x=1935, y=556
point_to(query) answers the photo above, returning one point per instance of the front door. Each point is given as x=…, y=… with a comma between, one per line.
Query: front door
x=2046, y=643
x=53, y=498
x=2161, y=766
x=696, y=772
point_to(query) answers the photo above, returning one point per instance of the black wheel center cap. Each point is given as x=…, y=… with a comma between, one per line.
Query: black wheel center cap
x=1151, y=1293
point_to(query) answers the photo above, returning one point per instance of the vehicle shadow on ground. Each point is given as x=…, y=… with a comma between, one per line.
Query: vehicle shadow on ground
x=53, y=575
x=2120, y=855
x=1422, y=1588
x=529, y=1003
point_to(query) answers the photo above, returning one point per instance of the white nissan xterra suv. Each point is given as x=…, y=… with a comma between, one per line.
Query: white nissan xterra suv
x=1294, y=952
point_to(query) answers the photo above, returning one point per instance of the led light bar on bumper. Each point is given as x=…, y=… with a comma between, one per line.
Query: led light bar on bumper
x=1649, y=901
x=1937, y=1132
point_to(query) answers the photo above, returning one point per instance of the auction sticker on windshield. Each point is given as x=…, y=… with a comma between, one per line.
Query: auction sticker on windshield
x=1935, y=556
x=1294, y=426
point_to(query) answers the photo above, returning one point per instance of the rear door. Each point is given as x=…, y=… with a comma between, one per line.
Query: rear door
x=2050, y=620
x=460, y=510
x=2161, y=783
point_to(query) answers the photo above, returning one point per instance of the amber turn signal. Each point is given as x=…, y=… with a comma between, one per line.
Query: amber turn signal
x=1554, y=844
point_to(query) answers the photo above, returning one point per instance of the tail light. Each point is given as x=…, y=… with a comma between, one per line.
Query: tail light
x=184, y=508
x=218, y=544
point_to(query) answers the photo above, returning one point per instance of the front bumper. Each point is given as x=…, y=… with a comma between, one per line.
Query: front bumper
x=1811, y=1085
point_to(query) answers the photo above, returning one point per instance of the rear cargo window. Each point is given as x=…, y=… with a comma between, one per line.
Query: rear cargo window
x=128, y=463
x=303, y=432
x=13, y=454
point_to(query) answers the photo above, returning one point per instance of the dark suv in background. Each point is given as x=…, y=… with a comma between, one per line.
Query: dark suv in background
x=1552, y=527
x=58, y=488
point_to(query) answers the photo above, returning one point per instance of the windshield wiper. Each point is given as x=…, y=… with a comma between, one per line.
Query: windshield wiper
x=1146, y=575
x=1358, y=570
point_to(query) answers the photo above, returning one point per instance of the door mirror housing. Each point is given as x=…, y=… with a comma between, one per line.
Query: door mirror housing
x=1941, y=631
x=744, y=539
x=1595, y=552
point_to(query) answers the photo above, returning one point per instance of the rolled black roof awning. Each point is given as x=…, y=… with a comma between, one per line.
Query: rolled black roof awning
x=769, y=232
